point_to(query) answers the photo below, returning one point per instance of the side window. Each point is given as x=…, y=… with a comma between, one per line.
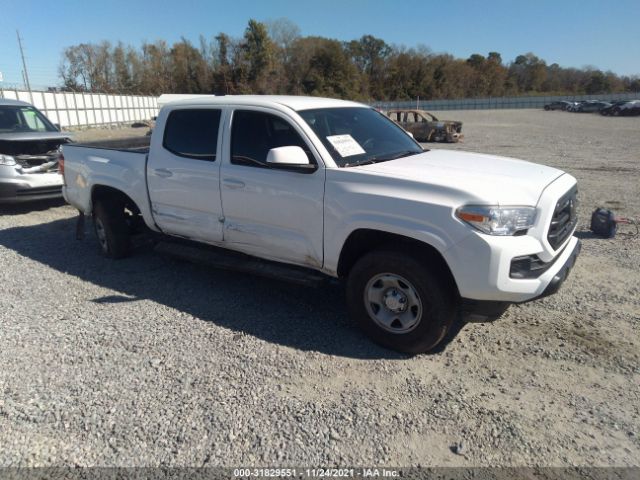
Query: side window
x=253, y=134
x=32, y=120
x=192, y=133
x=8, y=119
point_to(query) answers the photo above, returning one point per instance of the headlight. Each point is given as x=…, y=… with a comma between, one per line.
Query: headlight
x=7, y=160
x=494, y=220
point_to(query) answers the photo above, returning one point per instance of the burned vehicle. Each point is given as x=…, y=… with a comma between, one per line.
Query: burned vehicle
x=29, y=150
x=425, y=127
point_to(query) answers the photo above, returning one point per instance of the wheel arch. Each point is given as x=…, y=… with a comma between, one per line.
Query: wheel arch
x=106, y=193
x=364, y=240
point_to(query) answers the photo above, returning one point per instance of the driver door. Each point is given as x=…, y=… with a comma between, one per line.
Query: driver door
x=271, y=213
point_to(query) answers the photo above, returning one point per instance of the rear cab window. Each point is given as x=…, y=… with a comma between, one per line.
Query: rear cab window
x=192, y=133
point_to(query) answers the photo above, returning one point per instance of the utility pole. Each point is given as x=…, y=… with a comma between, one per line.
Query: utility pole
x=24, y=67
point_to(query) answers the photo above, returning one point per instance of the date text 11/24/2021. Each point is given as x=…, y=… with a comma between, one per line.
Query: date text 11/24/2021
x=316, y=472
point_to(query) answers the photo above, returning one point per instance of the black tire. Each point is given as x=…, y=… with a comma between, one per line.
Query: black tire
x=547, y=108
x=434, y=291
x=111, y=228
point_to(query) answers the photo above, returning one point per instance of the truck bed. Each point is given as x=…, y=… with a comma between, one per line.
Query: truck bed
x=117, y=163
x=128, y=144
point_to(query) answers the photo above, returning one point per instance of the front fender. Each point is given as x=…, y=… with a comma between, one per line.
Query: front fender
x=429, y=232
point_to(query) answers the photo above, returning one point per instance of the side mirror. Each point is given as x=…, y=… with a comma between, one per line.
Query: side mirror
x=289, y=158
x=57, y=125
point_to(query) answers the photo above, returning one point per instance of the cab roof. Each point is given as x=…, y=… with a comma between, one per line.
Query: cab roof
x=291, y=101
x=8, y=101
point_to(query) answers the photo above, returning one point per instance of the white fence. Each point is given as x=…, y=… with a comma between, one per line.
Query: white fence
x=79, y=109
x=501, y=102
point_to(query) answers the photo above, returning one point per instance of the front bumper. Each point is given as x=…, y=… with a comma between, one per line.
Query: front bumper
x=561, y=275
x=481, y=310
x=481, y=265
x=44, y=186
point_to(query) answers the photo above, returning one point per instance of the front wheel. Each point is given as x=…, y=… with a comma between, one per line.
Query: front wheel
x=400, y=302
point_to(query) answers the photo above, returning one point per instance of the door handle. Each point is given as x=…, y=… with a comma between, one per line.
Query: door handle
x=163, y=172
x=233, y=183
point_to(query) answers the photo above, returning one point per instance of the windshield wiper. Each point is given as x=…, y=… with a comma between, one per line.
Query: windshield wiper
x=368, y=161
x=394, y=156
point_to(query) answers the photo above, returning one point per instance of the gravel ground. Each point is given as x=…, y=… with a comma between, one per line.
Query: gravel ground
x=150, y=361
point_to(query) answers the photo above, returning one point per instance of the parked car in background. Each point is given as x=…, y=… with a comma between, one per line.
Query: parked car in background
x=589, y=106
x=573, y=105
x=613, y=107
x=425, y=127
x=29, y=150
x=631, y=108
x=560, y=105
x=622, y=108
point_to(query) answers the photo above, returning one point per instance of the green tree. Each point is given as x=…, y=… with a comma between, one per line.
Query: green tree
x=598, y=82
x=188, y=69
x=121, y=64
x=370, y=55
x=276, y=58
x=258, y=49
x=222, y=72
x=330, y=72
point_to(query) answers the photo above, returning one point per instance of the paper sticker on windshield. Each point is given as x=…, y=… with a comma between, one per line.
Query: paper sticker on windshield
x=345, y=145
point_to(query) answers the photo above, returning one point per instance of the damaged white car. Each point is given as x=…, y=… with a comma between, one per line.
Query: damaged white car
x=29, y=150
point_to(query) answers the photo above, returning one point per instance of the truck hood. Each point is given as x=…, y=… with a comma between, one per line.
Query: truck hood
x=487, y=179
x=29, y=136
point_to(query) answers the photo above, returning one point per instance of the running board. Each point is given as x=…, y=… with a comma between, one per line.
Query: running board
x=228, y=260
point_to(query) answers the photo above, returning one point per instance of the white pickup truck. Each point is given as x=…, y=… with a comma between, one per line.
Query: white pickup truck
x=335, y=186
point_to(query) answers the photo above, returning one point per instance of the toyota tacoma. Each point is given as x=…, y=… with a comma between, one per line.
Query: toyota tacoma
x=335, y=186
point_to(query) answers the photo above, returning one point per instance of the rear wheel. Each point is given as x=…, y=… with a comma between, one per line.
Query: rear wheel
x=112, y=229
x=400, y=302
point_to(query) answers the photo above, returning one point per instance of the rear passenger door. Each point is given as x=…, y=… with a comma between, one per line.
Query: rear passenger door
x=183, y=175
x=271, y=213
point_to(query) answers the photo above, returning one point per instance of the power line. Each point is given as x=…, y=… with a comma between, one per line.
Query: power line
x=24, y=66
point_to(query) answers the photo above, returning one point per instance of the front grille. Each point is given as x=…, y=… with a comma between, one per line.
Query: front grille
x=48, y=190
x=564, y=218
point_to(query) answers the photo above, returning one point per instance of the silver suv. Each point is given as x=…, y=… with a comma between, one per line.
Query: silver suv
x=29, y=148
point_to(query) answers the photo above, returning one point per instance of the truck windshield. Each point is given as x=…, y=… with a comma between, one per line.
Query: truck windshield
x=23, y=119
x=359, y=135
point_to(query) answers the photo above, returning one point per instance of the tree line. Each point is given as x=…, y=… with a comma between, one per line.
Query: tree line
x=274, y=58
